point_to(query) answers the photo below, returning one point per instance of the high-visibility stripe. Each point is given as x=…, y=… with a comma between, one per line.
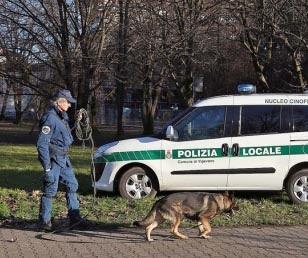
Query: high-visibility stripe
x=204, y=153
x=132, y=155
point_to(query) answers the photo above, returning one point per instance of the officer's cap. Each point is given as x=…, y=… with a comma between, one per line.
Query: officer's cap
x=65, y=94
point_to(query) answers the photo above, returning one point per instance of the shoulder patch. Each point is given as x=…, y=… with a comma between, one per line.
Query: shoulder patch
x=46, y=129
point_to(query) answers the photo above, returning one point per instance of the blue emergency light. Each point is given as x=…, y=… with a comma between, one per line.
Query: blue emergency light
x=246, y=88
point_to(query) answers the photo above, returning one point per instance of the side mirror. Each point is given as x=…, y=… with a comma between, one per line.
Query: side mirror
x=172, y=133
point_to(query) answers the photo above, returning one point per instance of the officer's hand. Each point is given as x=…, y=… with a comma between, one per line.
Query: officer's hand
x=78, y=116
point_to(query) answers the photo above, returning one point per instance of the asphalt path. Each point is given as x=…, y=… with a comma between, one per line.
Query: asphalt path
x=267, y=241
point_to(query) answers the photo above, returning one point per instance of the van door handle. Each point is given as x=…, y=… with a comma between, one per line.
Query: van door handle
x=235, y=149
x=225, y=149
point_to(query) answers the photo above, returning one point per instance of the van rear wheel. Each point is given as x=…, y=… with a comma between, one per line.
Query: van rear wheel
x=136, y=183
x=297, y=187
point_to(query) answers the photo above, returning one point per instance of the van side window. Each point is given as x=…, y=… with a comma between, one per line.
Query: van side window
x=300, y=118
x=202, y=123
x=286, y=122
x=260, y=120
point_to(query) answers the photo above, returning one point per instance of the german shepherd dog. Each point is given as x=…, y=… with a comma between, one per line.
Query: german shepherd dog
x=198, y=206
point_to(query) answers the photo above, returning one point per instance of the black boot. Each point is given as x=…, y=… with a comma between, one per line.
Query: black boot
x=45, y=226
x=78, y=223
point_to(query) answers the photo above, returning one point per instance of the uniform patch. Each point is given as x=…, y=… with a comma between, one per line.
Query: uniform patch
x=46, y=129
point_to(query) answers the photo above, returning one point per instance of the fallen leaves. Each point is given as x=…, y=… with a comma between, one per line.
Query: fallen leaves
x=35, y=194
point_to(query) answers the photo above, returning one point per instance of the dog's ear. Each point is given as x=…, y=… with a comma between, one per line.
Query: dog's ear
x=226, y=193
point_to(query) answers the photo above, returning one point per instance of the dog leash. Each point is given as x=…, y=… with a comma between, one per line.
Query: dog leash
x=83, y=132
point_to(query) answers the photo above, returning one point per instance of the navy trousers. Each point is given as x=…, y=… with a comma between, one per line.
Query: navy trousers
x=51, y=180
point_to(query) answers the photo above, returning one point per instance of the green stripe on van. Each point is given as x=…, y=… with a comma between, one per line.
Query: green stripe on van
x=205, y=153
x=273, y=150
x=298, y=149
x=132, y=155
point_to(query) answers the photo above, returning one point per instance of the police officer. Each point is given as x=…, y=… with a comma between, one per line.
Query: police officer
x=53, y=145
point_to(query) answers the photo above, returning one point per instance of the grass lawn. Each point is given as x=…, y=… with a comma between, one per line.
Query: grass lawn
x=20, y=182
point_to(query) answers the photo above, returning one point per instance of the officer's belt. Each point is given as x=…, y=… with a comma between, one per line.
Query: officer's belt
x=56, y=150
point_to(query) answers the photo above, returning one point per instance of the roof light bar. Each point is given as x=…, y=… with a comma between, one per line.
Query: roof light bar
x=246, y=88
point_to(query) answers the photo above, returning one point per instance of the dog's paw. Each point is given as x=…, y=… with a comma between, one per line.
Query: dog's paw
x=150, y=240
x=184, y=237
x=205, y=236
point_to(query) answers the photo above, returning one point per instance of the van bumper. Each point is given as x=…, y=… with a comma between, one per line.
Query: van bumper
x=103, y=187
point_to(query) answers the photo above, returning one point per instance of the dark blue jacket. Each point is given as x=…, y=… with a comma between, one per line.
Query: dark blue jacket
x=54, y=139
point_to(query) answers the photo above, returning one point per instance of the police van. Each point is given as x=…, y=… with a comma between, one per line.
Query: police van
x=236, y=142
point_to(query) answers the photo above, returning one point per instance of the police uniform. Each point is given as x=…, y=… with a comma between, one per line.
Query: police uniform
x=53, y=145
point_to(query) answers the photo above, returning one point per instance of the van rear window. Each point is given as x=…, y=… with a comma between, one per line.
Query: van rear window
x=300, y=118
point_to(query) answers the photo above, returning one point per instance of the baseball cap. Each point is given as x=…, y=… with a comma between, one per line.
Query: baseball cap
x=65, y=94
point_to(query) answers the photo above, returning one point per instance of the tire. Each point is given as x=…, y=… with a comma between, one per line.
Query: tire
x=297, y=187
x=136, y=183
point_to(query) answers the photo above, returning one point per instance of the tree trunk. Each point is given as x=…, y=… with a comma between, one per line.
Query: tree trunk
x=252, y=45
x=17, y=103
x=187, y=83
x=187, y=90
x=147, y=118
x=84, y=92
x=65, y=49
x=84, y=87
x=298, y=71
x=259, y=69
x=122, y=63
x=296, y=63
x=120, y=100
x=5, y=99
x=148, y=108
x=151, y=95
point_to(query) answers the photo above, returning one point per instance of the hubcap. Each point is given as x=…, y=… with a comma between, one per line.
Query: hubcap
x=300, y=188
x=138, y=186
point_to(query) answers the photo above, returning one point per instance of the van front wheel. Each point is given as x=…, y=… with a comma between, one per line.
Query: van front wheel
x=136, y=183
x=297, y=187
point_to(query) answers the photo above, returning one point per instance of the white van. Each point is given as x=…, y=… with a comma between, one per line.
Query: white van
x=237, y=142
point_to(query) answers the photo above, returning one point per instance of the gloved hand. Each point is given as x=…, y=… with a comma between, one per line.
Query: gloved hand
x=78, y=115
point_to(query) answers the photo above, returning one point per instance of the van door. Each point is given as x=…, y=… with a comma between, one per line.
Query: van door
x=260, y=147
x=198, y=159
x=299, y=135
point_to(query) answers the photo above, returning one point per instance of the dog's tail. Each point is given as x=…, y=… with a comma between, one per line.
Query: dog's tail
x=149, y=219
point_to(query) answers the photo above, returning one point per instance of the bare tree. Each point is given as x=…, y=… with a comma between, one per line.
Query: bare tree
x=187, y=24
x=5, y=93
x=269, y=30
x=15, y=64
x=147, y=57
x=69, y=40
x=121, y=68
x=92, y=23
x=256, y=34
x=291, y=27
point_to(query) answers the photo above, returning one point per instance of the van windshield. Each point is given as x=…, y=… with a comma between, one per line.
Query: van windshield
x=175, y=120
x=202, y=123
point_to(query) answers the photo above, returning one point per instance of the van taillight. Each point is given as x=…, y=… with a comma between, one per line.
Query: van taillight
x=99, y=169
